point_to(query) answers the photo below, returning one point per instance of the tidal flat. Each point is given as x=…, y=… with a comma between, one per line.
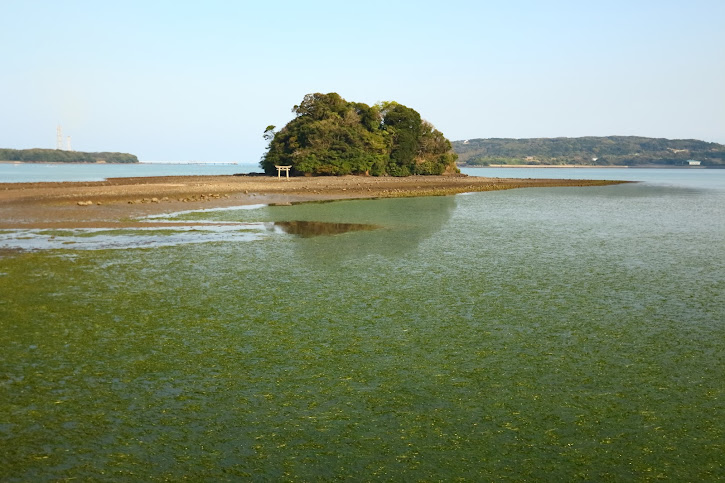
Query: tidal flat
x=538, y=334
x=120, y=201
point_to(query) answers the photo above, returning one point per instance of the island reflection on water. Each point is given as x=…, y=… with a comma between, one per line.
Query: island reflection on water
x=384, y=228
x=307, y=229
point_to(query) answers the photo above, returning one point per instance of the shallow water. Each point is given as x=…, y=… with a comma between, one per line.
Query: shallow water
x=36, y=172
x=557, y=333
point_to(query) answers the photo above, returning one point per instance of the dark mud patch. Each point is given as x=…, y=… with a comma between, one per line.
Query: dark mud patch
x=308, y=229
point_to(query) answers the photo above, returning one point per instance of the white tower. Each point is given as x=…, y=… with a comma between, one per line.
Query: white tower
x=59, y=137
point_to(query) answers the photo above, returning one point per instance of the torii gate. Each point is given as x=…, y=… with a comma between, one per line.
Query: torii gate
x=282, y=168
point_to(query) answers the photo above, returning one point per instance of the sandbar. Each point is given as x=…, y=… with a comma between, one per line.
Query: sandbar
x=120, y=202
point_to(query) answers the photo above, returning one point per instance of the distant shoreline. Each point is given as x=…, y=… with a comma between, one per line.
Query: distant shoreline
x=195, y=163
x=644, y=166
x=69, y=162
x=596, y=151
x=541, y=166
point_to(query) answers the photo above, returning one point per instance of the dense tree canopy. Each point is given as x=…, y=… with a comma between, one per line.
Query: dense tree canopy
x=60, y=156
x=611, y=150
x=331, y=136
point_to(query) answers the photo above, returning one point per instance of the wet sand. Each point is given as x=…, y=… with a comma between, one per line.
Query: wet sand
x=120, y=201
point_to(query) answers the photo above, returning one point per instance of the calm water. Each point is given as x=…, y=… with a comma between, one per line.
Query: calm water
x=32, y=172
x=539, y=334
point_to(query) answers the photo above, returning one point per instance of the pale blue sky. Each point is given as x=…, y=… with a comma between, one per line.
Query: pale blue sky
x=175, y=80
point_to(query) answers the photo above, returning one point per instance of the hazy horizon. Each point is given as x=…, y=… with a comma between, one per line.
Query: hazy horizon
x=180, y=81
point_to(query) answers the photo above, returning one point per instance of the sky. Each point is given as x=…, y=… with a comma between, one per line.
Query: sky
x=200, y=81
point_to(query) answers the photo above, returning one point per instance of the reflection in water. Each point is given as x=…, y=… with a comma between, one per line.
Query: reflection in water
x=316, y=228
x=404, y=223
x=125, y=238
x=385, y=226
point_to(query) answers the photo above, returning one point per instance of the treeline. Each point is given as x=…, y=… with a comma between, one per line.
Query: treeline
x=331, y=136
x=60, y=156
x=591, y=151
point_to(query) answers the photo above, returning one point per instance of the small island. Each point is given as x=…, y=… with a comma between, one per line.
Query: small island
x=62, y=156
x=590, y=151
x=331, y=136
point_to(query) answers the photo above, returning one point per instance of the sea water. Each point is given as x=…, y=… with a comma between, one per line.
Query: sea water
x=531, y=334
x=37, y=172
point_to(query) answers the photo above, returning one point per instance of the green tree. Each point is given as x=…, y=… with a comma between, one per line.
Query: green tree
x=404, y=125
x=331, y=136
x=60, y=156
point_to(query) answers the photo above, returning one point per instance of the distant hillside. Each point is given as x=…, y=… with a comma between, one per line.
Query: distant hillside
x=590, y=151
x=60, y=156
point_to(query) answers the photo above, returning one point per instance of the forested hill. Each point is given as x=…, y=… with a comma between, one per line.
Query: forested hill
x=593, y=151
x=331, y=136
x=60, y=156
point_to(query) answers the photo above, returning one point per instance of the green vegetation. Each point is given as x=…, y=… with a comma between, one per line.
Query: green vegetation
x=331, y=136
x=60, y=156
x=591, y=151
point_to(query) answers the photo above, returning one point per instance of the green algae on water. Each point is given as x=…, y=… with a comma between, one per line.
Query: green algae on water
x=535, y=335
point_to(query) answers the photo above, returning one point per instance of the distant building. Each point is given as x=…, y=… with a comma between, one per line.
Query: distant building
x=692, y=162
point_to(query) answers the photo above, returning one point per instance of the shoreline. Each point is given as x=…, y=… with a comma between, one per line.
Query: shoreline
x=542, y=166
x=119, y=202
x=81, y=163
x=643, y=166
x=78, y=163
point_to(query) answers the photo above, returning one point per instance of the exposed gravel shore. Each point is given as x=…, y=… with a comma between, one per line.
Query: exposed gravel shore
x=118, y=201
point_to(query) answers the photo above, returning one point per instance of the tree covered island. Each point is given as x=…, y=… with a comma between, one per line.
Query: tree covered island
x=331, y=136
x=62, y=156
x=589, y=151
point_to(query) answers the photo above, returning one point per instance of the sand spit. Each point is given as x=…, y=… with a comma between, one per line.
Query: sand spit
x=120, y=201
